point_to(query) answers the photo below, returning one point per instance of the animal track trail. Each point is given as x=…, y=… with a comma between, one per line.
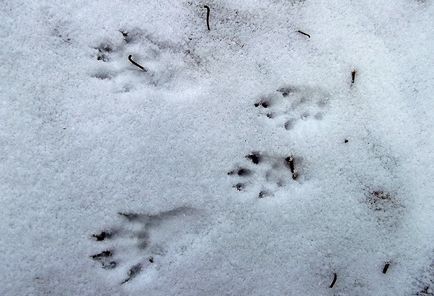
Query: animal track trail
x=140, y=241
x=266, y=172
x=289, y=106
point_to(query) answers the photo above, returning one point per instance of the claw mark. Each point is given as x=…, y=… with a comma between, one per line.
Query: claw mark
x=285, y=91
x=301, y=32
x=129, y=216
x=240, y=172
x=126, y=36
x=124, y=33
x=386, y=267
x=133, y=272
x=255, y=157
x=102, y=236
x=335, y=277
x=263, y=194
x=103, y=258
x=290, y=162
x=101, y=255
x=135, y=64
x=262, y=103
x=207, y=16
x=353, y=76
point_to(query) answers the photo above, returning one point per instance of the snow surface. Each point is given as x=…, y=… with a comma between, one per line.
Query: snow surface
x=86, y=135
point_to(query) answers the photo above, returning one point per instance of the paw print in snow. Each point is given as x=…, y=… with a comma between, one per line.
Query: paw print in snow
x=120, y=58
x=386, y=207
x=289, y=105
x=140, y=240
x=267, y=172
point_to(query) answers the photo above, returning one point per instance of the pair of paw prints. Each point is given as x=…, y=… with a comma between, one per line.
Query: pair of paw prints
x=139, y=241
x=289, y=105
x=265, y=171
x=134, y=57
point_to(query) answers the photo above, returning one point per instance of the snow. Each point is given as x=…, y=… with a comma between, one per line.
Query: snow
x=91, y=144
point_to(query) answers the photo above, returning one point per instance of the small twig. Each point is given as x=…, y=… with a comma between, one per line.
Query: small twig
x=301, y=32
x=335, y=277
x=386, y=267
x=207, y=16
x=135, y=64
x=353, y=76
x=291, y=163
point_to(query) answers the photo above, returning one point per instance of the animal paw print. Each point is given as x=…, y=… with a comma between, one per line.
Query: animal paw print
x=426, y=291
x=267, y=172
x=140, y=240
x=386, y=207
x=289, y=105
x=135, y=57
x=424, y=284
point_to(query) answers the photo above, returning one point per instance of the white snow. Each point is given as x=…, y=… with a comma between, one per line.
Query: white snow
x=86, y=135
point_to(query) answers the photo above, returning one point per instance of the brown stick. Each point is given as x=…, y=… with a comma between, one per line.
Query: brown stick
x=386, y=267
x=130, y=58
x=301, y=32
x=207, y=16
x=291, y=163
x=335, y=277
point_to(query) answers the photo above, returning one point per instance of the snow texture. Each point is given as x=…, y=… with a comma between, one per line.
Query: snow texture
x=248, y=159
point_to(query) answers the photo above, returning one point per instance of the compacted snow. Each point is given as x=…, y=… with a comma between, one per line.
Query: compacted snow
x=248, y=159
